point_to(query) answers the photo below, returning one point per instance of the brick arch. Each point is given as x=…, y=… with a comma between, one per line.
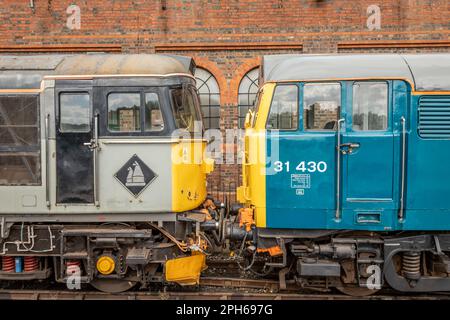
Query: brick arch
x=210, y=66
x=240, y=72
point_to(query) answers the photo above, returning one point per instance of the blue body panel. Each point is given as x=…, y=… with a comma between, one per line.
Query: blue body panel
x=299, y=196
x=428, y=179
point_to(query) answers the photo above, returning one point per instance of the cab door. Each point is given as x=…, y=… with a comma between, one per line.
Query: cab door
x=74, y=153
x=370, y=159
x=301, y=184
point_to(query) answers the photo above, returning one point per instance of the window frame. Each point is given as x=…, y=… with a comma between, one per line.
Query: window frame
x=341, y=112
x=210, y=106
x=388, y=104
x=197, y=106
x=256, y=109
x=145, y=112
x=298, y=106
x=31, y=151
x=140, y=111
x=101, y=100
x=73, y=92
x=239, y=93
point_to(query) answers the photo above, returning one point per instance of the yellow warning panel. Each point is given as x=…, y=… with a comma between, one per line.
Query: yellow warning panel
x=185, y=271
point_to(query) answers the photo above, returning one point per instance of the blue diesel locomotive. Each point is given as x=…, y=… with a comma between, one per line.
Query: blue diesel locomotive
x=346, y=171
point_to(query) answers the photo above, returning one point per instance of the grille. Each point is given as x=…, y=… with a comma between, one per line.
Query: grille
x=434, y=117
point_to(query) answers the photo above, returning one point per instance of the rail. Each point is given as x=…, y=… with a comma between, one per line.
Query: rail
x=202, y=293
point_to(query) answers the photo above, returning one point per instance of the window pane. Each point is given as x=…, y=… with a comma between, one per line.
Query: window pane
x=19, y=121
x=206, y=83
x=20, y=169
x=75, y=112
x=215, y=111
x=370, y=106
x=124, y=112
x=241, y=122
x=283, y=110
x=19, y=132
x=153, y=117
x=18, y=136
x=185, y=108
x=208, y=89
x=215, y=123
x=205, y=112
x=215, y=100
x=322, y=106
x=205, y=100
x=247, y=99
x=248, y=89
x=18, y=110
x=243, y=112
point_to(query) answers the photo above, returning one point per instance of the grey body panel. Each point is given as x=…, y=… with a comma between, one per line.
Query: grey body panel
x=115, y=202
x=116, y=64
x=21, y=79
x=114, y=197
x=426, y=71
x=30, y=62
x=27, y=71
x=157, y=197
x=431, y=72
x=87, y=217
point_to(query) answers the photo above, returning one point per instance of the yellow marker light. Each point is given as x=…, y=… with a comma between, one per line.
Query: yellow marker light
x=105, y=265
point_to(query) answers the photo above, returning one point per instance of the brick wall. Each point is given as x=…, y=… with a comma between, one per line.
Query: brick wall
x=227, y=37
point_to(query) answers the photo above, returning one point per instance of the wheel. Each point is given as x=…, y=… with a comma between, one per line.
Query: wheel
x=349, y=266
x=112, y=285
x=357, y=291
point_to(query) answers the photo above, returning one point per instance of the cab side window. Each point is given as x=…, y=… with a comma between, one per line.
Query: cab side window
x=153, y=116
x=284, y=108
x=75, y=112
x=370, y=106
x=321, y=106
x=124, y=112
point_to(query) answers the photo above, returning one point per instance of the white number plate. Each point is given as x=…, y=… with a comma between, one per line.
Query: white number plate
x=302, y=166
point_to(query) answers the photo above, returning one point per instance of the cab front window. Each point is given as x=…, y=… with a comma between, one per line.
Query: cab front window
x=284, y=108
x=185, y=108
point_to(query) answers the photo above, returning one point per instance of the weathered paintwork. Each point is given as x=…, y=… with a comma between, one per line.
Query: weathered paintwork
x=177, y=185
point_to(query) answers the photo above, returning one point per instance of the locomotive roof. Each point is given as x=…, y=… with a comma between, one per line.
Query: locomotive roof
x=27, y=71
x=428, y=72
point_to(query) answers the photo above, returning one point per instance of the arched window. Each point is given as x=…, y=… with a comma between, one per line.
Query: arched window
x=248, y=89
x=209, y=93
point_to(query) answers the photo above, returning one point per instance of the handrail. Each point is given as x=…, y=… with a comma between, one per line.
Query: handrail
x=338, y=169
x=402, y=188
x=47, y=161
x=96, y=198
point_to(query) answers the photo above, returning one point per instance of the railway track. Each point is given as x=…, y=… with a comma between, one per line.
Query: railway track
x=210, y=288
x=202, y=295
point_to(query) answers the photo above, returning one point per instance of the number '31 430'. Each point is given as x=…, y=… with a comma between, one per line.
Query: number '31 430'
x=303, y=166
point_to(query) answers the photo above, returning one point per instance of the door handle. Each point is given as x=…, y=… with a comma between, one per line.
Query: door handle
x=91, y=144
x=347, y=148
